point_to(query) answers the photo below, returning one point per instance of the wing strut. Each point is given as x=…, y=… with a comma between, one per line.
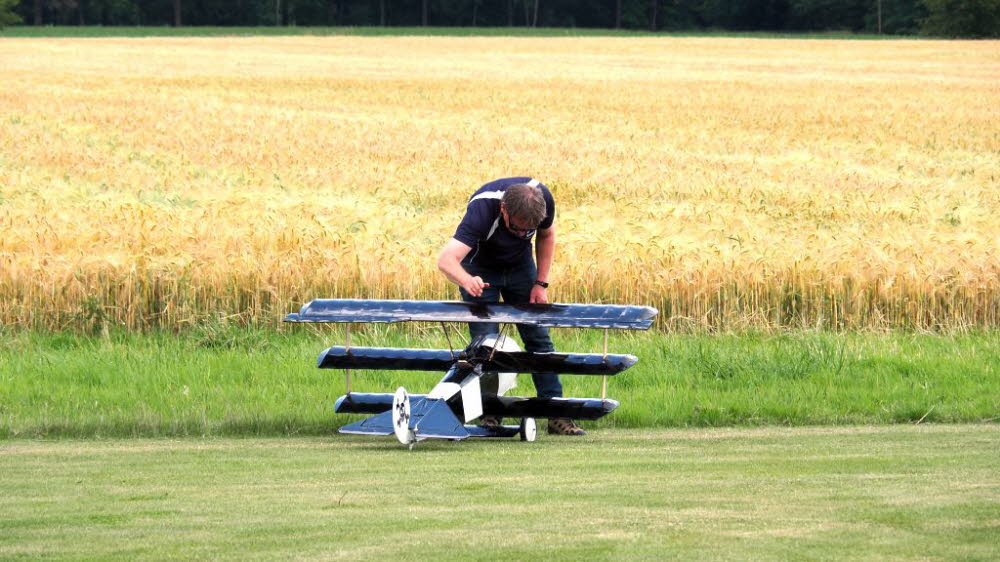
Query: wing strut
x=451, y=348
x=503, y=327
x=604, y=379
x=347, y=347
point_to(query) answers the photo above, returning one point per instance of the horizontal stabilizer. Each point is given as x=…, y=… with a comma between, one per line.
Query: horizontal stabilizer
x=501, y=361
x=429, y=418
x=535, y=314
x=375, y=425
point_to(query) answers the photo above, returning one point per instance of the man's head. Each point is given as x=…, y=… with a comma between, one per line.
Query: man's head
x=523, y=208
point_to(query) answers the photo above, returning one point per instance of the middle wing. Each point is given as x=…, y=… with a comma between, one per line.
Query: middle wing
x=502, y=361
x=388, y=358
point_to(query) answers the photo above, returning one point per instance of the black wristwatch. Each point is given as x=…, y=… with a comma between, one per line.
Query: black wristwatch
x=542, y=284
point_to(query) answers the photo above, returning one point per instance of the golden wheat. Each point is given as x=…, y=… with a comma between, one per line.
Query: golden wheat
x=731, y=182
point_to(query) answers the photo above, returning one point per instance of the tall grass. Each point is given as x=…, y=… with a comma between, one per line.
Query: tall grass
x=733, y=183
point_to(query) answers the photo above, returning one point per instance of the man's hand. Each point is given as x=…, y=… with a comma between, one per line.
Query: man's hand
x=474, y=286
x=539, y=294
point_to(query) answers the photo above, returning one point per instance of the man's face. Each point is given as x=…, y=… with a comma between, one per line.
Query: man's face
x=515, y=226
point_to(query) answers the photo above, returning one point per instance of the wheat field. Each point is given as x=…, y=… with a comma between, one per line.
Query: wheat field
x=735, y=183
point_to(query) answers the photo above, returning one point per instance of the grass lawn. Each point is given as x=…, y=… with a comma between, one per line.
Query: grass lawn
x=911, y=492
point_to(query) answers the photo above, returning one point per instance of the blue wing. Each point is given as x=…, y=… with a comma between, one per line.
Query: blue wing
x=338, y=357
x=493, y=405
x=546, y=315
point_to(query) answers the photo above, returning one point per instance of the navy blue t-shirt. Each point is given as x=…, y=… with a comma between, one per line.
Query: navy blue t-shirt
x=483, y=228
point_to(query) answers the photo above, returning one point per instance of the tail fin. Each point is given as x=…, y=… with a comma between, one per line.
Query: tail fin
x=434, y=418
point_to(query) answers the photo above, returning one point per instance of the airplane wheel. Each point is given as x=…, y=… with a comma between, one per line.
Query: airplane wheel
x=528, y=429
x=401, y=417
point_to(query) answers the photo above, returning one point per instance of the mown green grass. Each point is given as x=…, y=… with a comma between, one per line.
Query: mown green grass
x=869, y=493
x=137, y=31
x=219, y=380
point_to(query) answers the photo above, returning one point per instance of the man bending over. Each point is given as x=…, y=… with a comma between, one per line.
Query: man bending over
x=490, y=257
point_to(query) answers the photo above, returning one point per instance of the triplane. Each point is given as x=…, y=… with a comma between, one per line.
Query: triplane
x=477, y=377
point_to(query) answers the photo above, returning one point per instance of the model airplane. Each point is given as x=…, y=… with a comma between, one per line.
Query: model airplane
x=476, y=377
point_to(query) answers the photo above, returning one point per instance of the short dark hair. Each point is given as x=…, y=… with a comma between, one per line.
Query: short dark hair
x=525, y=203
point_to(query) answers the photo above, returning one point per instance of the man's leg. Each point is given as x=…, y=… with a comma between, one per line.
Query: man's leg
x=537, y=340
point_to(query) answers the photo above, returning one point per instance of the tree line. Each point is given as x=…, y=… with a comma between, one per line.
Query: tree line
x=953, y=18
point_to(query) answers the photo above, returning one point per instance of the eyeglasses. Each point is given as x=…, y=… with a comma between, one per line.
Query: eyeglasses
x=524, y=233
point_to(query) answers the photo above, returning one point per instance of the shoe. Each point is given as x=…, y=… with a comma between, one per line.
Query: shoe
x=490, y=422
x=564, y=426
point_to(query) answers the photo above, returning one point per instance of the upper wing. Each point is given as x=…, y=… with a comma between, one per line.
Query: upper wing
x=545, y=315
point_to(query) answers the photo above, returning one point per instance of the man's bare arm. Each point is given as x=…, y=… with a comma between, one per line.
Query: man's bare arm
x=545, y=249
x=450, y=263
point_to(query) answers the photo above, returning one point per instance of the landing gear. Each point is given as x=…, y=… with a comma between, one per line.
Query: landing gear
x=401, y=417
x=528, y=430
